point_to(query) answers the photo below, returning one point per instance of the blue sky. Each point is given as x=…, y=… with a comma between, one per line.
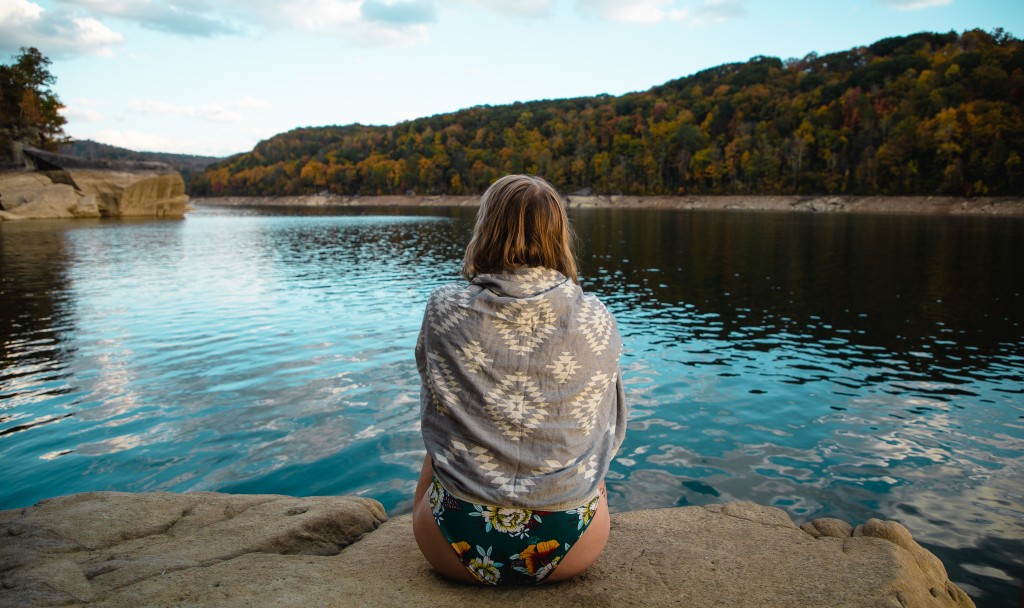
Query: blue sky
x=216, y=76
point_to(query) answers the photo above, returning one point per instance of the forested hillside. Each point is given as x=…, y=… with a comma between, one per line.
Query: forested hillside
x=921, y=114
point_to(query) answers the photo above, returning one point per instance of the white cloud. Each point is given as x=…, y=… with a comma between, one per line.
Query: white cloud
x=223, y=112
x=717, y=11
x=363, y=22
x=639, y=11
x=515, y=8
x=94, y=35
x=20, y=9
x=655, y=11
x=399, y=12
x=317, y=16
x=143, y=141
x=56, y=33
x=376, y=35
x=681, y=14
x=213, y=112
x=915, y=5
x=137, y=140
x=183, y=17
x=253, y=103
x=342, y=18
x=208, y=140
x=83, y=110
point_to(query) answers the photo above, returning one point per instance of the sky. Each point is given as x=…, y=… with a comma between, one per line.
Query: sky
x=214, y=77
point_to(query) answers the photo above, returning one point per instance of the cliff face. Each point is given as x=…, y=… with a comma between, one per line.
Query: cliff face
x=208, y=549
x=133, y=194
x=64, y=194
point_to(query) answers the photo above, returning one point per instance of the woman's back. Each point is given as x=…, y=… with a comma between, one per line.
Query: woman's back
x=522, y=401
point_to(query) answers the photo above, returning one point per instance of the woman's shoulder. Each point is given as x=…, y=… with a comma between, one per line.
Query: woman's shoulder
x=449, y=290
x=591, y=301
x=450, y=296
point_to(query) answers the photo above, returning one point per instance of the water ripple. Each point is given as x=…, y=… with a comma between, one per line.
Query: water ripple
x=830, y=366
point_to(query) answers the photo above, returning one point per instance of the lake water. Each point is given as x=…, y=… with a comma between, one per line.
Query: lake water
x=829, y=365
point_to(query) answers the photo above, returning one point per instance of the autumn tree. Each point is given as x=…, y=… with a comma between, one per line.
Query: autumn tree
x=929, y=113
x=29, y=109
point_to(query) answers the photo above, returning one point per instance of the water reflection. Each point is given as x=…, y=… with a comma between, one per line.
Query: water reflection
x=33, y=298
x=851, y=367
x=905, y=284
x=838, y=366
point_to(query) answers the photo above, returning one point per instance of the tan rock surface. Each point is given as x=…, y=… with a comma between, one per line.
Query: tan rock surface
x=828, y=526
x=101, y=545
x=91, y=193
x=207, y=549
x=35, y=195
x=134, y=194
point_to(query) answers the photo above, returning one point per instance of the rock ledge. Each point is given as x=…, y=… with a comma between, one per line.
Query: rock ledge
x=209, y=549
x=64, y=187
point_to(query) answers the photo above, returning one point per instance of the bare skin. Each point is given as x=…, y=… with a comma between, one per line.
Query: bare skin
x=442, y=557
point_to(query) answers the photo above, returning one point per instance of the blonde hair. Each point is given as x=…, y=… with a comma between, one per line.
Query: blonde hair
x=521, y=222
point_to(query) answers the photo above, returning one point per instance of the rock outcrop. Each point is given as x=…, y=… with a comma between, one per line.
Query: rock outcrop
x=208, y=549
x=134, y=194
x=63, y=187
x=35, y=195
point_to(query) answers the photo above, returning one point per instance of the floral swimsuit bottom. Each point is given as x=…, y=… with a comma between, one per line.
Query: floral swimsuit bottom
x=508, y=545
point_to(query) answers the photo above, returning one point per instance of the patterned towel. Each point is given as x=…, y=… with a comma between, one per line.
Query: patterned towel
x=521, y=400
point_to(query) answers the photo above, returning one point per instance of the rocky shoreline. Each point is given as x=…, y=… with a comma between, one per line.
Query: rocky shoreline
x=56, y=186
x=207, y=549
x=934, y=205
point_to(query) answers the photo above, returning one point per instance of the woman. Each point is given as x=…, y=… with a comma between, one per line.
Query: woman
x=522, y=405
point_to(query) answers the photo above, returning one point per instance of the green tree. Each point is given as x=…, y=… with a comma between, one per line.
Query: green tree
x=29, y=109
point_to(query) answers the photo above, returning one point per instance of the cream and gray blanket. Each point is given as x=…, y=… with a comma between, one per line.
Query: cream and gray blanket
x=521, y=400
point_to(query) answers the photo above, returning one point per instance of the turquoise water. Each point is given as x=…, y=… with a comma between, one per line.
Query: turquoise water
x=843, y=366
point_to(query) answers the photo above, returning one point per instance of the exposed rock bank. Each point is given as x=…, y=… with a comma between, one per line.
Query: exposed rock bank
x=88, y=193
x=65, y=187
x=1010, y=206
x=208, y=549
x=939, y=205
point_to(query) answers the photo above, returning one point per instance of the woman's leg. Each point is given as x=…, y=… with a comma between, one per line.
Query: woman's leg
x=434, y=546
x=589, y=546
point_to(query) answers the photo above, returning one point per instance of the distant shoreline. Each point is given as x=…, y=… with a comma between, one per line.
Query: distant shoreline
x=917, y=205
